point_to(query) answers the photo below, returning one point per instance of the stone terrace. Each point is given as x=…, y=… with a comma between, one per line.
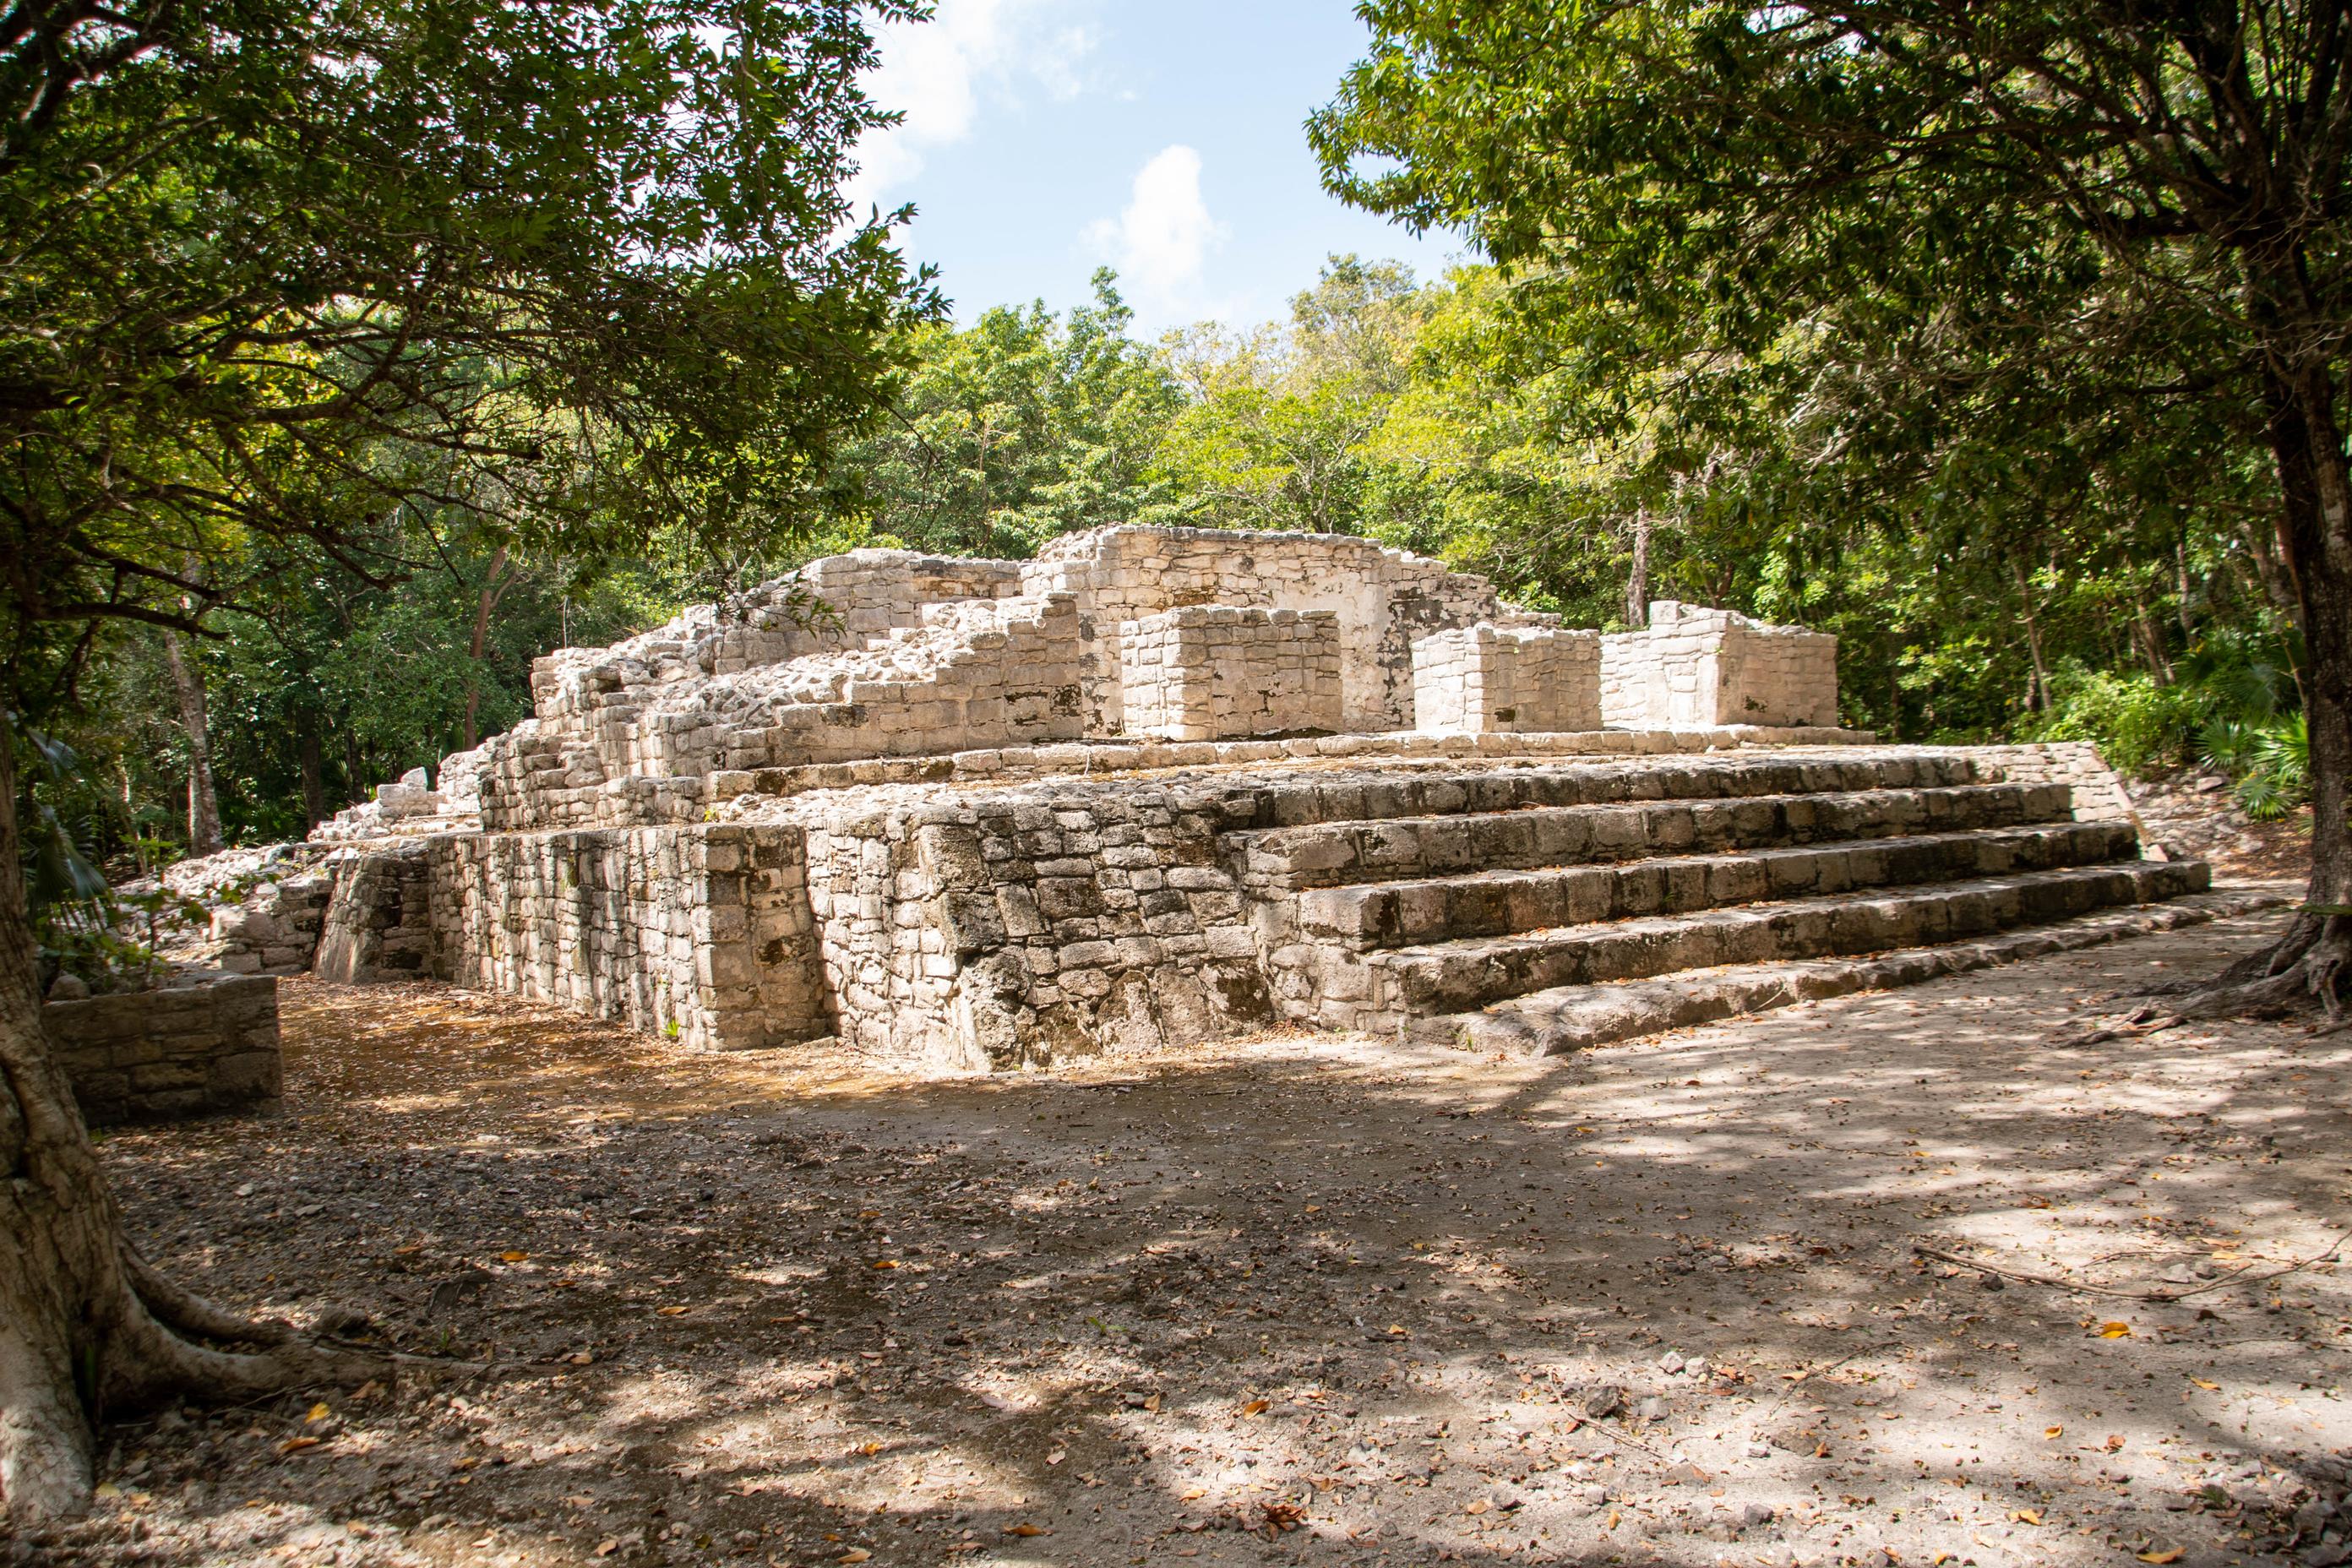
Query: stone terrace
x=1162, y=785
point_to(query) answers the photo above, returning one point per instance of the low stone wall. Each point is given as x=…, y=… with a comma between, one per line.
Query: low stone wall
x=698, y=933
x=154, y=1054
x=1695, y=666
x=1026, y=926
x=379, y=924
x=1215, y=672
x=2098, y=795
x=274, y=928
x=1491, y=679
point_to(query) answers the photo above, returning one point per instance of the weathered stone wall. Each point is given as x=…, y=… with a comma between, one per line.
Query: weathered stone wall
x=1489, y=679
x=1383, y=599
x=699, y=933
x=1026, y=925
x=274, y=928
x=1214, y=672
x=2098, y=795
x=1697, y=666
x=379, y=923
x=186, y=1051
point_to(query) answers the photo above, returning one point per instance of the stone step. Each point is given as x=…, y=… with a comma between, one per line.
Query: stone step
x=1459, y=976
x=1498, y=903
x=1571, y=1017
x=1378, y=793
x=1336, y=854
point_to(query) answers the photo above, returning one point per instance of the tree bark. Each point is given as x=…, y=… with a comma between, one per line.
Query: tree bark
x=312, y=759
x=2315, y=540
x=2040, y=684
x=484, y=603
x=204, y=805
x=1637, y=579
x=86, y=1325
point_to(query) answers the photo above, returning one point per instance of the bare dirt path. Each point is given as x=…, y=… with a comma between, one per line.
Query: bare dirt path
x=1284, y=1300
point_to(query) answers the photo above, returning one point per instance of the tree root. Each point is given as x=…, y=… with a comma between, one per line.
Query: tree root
x=2242, y=1276
x=2306, y=970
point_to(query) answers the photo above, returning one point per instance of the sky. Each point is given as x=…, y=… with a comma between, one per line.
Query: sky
x=1163, y=138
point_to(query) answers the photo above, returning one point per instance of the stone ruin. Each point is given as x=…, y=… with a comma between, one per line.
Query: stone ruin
x=1164, y=785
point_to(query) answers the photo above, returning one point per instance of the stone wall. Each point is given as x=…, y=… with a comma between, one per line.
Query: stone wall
x=1213, y=672
x=274, y=926
x=1490, y=680
x=1697, y=666
x=1384, y=599
x=379, y=924
x=184, y=1051
x=2098, y=795
x=1026, y=925
x=698, y=933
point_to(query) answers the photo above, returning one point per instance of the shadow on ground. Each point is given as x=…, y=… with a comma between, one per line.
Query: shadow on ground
x=1290, y=1300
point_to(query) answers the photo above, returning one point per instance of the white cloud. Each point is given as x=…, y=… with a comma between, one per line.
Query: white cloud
x=1161, y=240
x=942, y=72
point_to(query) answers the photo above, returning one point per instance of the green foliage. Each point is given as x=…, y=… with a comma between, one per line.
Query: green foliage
x=287, y=282
x=1021, y=428
x=2138, y=723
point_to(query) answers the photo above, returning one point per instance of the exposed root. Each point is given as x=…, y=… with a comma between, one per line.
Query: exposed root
x=2247, y=1276
x=180, y=1309
x=2306, y=970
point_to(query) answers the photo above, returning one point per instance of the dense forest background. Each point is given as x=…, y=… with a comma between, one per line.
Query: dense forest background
x=2029, y=566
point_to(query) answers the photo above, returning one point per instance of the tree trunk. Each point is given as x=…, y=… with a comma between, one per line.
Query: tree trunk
x=312, y=759
x=86, y=1326
x=2315, y=540
x=1637, y=579
x=204, y=805
x=484, y=603
x=2151, y=638
x=2041, y=683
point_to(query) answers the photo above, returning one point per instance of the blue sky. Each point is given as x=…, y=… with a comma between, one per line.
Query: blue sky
x=1044, y=138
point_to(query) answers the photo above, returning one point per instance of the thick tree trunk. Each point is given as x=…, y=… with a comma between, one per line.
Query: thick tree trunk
x=85, y=1325
x=2316, y=493
x=204, y=805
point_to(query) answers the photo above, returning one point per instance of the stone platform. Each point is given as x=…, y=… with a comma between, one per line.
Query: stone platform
x=1160, y=786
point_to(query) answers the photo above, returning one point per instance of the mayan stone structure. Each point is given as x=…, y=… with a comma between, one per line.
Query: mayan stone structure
x=1217, y=673
x=1161, y=785
x=1491, y=679
x=1695, y=667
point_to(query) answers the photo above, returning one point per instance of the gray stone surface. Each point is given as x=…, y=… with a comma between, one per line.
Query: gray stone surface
x=158, y=1054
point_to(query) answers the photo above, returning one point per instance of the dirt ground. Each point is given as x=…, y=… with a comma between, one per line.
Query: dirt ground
x=1284, y=1300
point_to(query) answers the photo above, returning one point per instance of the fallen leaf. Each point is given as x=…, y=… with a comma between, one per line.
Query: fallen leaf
x=295, y=1444
x=2052, y=1432
x=2114, y=1444
x=105, y=1489
x=2170, y=1555
x=318, y=1413
x=856, y=1554
x=886, y=1263
x=671, y=1311
x=1151, y=1404
x=1024, y=1531
x=1254, y=1407
x=2202, y=1383
x=2114, y=1331
x=511, y=1257
x=1475, y=1508
x=2027, y=1516
x=1058, y=1455
x=606, y=1547
x=1194, y=1495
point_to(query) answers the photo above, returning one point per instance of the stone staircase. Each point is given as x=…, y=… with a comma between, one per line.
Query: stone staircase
x=1548, y=909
